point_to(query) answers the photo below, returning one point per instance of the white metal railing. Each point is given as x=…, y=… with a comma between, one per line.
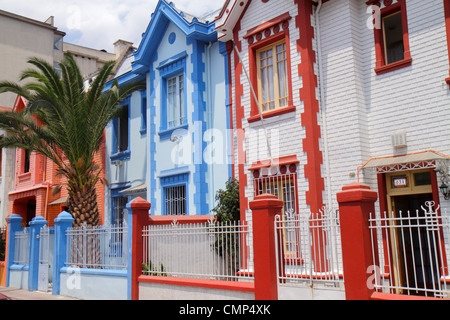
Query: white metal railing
x=309, y=250
x=99, y=247
x=22, y=247
x=211, y=250
x=409, y=254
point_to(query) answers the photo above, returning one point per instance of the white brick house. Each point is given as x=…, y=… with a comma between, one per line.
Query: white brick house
x=344, y=103
x=347, y=91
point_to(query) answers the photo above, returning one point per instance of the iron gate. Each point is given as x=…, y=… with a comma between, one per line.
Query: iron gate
x=45, y=250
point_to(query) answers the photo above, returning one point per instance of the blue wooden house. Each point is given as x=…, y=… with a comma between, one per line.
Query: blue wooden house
x=170, y=146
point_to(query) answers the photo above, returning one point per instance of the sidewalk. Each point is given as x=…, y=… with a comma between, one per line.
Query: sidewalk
x=19, y=294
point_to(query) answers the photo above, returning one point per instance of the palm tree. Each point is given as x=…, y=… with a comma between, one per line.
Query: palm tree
x=65, y=123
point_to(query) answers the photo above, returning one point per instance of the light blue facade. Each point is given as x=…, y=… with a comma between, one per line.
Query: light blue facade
x=193, y=153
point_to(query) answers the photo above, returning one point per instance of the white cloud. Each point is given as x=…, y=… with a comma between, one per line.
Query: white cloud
x=99, y=23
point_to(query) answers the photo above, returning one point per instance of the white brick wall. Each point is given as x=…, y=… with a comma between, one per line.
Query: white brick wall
x=288, y=126
x=363, y=109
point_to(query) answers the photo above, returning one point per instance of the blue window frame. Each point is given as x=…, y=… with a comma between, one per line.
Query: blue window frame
x=175, y=191
x=173, y=95
x=121, y=134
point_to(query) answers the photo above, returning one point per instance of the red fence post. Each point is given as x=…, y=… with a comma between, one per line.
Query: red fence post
x=356, y=202
x=137, y=218
x=264, y=208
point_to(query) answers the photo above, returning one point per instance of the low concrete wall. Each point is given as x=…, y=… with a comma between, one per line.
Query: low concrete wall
x=306, y=293
x=166, y=288
x=94, y=284
x=18, y=276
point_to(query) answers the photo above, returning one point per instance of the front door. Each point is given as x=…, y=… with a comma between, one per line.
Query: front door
x=415, y=245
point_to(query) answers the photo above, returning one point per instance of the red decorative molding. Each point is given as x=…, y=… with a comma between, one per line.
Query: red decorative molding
x=239, y=111
x=311, y=106
x=393, y=66
x=276, y=162
x=271, y=114
x=447, y=30
x=268, y=24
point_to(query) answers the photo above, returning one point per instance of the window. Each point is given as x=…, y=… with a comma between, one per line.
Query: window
x=175, y=101
x=391, y=38
x=122, y=131
x=272, y=76
x=175, y=191
x=269, y=64
x=175, y=200
x=26, y=161
x=143, y=129
x=281, y=185
x=119, y=205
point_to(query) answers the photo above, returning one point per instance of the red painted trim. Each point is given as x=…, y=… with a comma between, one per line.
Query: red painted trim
x=201, y=283
x=390, y=296
x=279, y=162
x=268, y=24
x=139, y=210
x=435, y=192
x=311, y=106
x=380, y=65
x=238, y=92
x=356, y=201
x=447, y=30
x=271, y=114
x=393, y=66
x=264, y=209
x=161, y=220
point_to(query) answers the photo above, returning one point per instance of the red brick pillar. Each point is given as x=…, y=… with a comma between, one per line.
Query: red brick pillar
x=356, y=202
x=137, y=219
x=264, y=208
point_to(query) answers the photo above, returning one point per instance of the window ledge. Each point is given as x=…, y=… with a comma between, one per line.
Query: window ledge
x=166, y=134
x=123, y=155
x=24, y=176
x=270, y=114
x=394, y=66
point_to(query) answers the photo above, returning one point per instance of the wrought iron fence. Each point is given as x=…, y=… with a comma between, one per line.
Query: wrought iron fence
x=98, y=247
x=211, y=250
x=409, y=254
x=309, y=249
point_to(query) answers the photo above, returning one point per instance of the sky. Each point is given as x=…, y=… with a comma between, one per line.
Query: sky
x=99, y=23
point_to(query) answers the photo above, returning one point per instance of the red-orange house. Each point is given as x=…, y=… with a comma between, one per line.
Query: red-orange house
x=35, y=176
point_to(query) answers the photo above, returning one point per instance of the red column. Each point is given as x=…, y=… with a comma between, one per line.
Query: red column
x=264, y=208
x=356, y=202
x=137, y=218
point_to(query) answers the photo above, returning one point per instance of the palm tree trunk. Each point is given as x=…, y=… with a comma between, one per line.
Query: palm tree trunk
x=83, y=206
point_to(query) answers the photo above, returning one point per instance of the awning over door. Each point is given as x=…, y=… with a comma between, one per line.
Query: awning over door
x=417, y=160
x=135, y=189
